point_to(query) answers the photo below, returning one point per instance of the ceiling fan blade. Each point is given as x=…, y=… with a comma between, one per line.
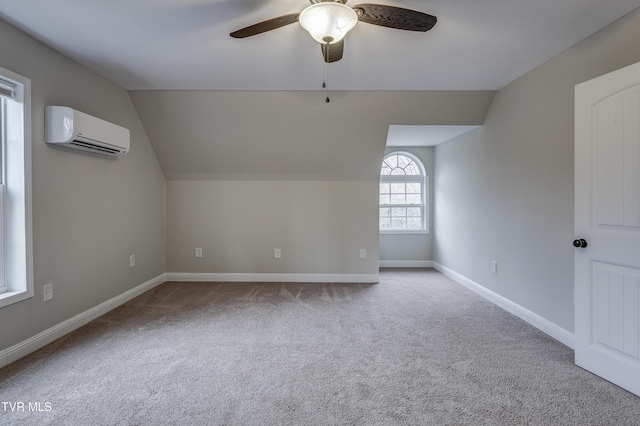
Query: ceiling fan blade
x=395, y=17
x=264, y=26
x=332, y=52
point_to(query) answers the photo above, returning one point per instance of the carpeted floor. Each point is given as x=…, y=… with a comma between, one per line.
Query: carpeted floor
x=415, y=349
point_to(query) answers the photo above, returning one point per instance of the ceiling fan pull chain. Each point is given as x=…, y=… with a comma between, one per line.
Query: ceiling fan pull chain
x=325, y=83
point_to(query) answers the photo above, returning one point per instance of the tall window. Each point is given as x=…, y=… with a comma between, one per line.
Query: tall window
x=4, y=93
x=16, y=273
x=403, y=194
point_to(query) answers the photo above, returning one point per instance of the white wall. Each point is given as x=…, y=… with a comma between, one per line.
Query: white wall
x=505, y=192
x=89, y=214
x=415, y=247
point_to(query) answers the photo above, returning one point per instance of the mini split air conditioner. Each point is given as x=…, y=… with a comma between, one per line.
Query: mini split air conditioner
x=71, y=129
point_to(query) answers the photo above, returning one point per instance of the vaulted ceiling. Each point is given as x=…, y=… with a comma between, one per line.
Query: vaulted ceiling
x=185, y=44
x=216, y=107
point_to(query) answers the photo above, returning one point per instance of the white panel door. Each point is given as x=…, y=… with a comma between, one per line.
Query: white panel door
x=607, y=218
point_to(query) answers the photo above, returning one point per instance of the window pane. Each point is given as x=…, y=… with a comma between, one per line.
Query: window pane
x=414, y=223
x=385, y=223
x=403, y=161
x=414, y=211
x=385, y=212
x=2, y=136
x=398, y=211
x=414, y=199
x=398, y=188
x=384, y=188
x=399, y=222
x=412, y=169
x=384, y=199
x=398, y=199
x=414, y=187
x=392, y=161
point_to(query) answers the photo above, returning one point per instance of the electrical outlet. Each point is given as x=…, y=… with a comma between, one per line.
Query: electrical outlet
x=132, y=260
x=198, y=251
x=494, y=267
x=277, y=254
x=363, y=253
x=48, y=291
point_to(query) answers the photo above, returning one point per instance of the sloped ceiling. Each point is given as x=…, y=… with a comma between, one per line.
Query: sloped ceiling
x=289, y=134
x=404, y=136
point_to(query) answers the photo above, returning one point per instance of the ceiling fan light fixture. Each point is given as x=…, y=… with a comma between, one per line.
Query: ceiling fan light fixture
x=328, y=22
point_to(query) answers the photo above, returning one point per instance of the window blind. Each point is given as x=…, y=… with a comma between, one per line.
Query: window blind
x=7, y=88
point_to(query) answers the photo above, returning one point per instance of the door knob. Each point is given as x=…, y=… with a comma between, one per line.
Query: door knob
x=581, y=243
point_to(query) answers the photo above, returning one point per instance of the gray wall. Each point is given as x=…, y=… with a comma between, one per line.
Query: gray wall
x=415, y=247
x=505, y=192
x=320, y=226
x=89, y=214
x=251, y=171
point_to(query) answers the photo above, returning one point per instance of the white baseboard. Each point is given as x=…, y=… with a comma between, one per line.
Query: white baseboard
x=301, y=278
x=542, y=324
x=406, y=263
x=36, y=342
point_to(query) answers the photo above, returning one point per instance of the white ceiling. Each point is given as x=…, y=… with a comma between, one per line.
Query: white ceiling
x=185, y=44
x=399, y=136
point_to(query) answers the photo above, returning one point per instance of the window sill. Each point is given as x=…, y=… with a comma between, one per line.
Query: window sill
x=11, y=297
x=403, y=232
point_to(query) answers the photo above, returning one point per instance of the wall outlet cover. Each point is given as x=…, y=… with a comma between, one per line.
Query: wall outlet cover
x=48, y=292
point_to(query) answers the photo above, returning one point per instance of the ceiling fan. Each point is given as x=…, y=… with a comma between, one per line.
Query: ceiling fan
x=328, y=21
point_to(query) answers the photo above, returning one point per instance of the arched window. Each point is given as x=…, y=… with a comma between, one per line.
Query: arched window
x=403, y=194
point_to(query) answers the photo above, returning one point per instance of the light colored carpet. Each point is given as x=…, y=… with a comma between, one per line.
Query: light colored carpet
x=415, y=349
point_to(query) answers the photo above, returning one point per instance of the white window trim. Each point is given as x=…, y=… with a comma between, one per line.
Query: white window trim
x=424, y=180
x=18, y=258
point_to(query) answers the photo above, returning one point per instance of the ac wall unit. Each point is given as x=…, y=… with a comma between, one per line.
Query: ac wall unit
x=68, y=128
